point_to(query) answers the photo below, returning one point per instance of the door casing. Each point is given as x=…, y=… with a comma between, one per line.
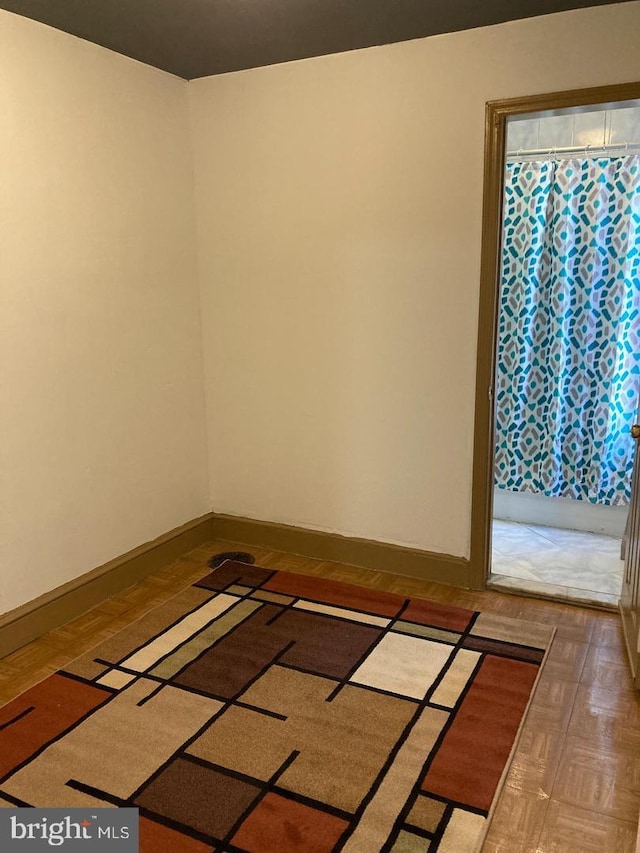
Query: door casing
x=496, y=115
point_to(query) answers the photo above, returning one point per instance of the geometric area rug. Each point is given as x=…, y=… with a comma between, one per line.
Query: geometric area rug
x=271, y=712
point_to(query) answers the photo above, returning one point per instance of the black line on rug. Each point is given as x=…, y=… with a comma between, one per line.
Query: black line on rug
x=347, y=607
x=445, y=669
x=137, y=676
x=457, y=804
x=21, y=804
x=146, y=698
x=452, y=715
x=284, y=766
x=275, y=660
x=271, y=784
x=216, y=642
x=238, y=579
x=393, y=753
x=225, y=771
x=442, y=826
x=350, y=608
x=168, y=627
x=92, y=681
x=238, y=703
x=384, y=631
x=73, y=677
x=265, y=790
x=109, y=698
x=195, y=634
x=98, y=793
x=318, y=805
x=176, y=825
x=241, y=819
x=418, y=830
x=416, y=789
x=506, y=643
x=177, y=753
x=445, y=641
x=169, y=822
x=181, y=752
x=330, y=603
x=424, y=703
x=18, y=717
x=224, y=700
x=357, y=684
x=293, y=607
x=504, y=649
x=398, y=616
x=117, y=666
x=391, y=628
x=346, y=678
x=455, y=649
x=278, y=614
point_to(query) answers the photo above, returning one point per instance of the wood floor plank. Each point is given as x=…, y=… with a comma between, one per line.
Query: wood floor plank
x=571, y=829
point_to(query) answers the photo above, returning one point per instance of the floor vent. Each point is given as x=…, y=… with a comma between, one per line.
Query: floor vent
x=236, y=556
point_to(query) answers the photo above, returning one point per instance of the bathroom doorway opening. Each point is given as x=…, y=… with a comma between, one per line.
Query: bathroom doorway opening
x=564, y=377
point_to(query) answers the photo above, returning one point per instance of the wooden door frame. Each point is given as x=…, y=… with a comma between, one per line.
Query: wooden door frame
x=496, y=115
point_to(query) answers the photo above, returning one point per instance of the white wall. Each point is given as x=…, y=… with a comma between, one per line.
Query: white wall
x=102, y=439
x=339, y=218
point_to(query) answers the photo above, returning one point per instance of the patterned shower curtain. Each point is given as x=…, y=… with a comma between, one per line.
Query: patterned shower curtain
x=568, y=374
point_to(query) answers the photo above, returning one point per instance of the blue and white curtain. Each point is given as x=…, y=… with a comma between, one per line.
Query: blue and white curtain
x=568, y=374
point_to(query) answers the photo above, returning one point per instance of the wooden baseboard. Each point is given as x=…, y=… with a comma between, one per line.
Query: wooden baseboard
x=366, y=553
x=60, y=605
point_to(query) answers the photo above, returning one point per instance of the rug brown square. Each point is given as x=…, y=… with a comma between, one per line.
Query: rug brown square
x=271, y=712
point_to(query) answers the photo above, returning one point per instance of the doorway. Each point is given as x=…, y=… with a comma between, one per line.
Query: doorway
x=539, y=521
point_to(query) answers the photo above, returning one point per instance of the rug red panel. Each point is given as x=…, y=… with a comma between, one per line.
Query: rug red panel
x=156, y=838
x=467, y=768
x=336, y=593
x=282, y=825
x=48, y=709
x=437, y=615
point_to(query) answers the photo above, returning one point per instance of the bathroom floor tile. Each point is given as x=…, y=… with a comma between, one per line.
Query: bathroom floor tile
x=553, y=562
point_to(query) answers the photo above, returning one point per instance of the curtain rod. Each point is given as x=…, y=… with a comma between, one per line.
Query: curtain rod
x=587, y=150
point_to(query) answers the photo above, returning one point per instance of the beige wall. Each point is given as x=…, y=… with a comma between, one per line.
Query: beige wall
x=102, y=440
x=339, y=214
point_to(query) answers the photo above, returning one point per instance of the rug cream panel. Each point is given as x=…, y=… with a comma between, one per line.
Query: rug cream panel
x=102, y=443
x=339, y=215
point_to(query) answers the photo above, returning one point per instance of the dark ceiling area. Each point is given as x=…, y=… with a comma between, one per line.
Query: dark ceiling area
x=198, y=38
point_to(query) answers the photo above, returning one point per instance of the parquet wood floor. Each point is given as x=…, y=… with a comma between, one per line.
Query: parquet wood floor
x=574, y=784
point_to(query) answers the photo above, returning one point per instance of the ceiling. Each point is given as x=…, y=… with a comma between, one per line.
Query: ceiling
x=197, y=38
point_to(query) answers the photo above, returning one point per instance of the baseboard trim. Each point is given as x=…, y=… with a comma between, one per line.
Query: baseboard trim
x=365, y=553
x=60, y=605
